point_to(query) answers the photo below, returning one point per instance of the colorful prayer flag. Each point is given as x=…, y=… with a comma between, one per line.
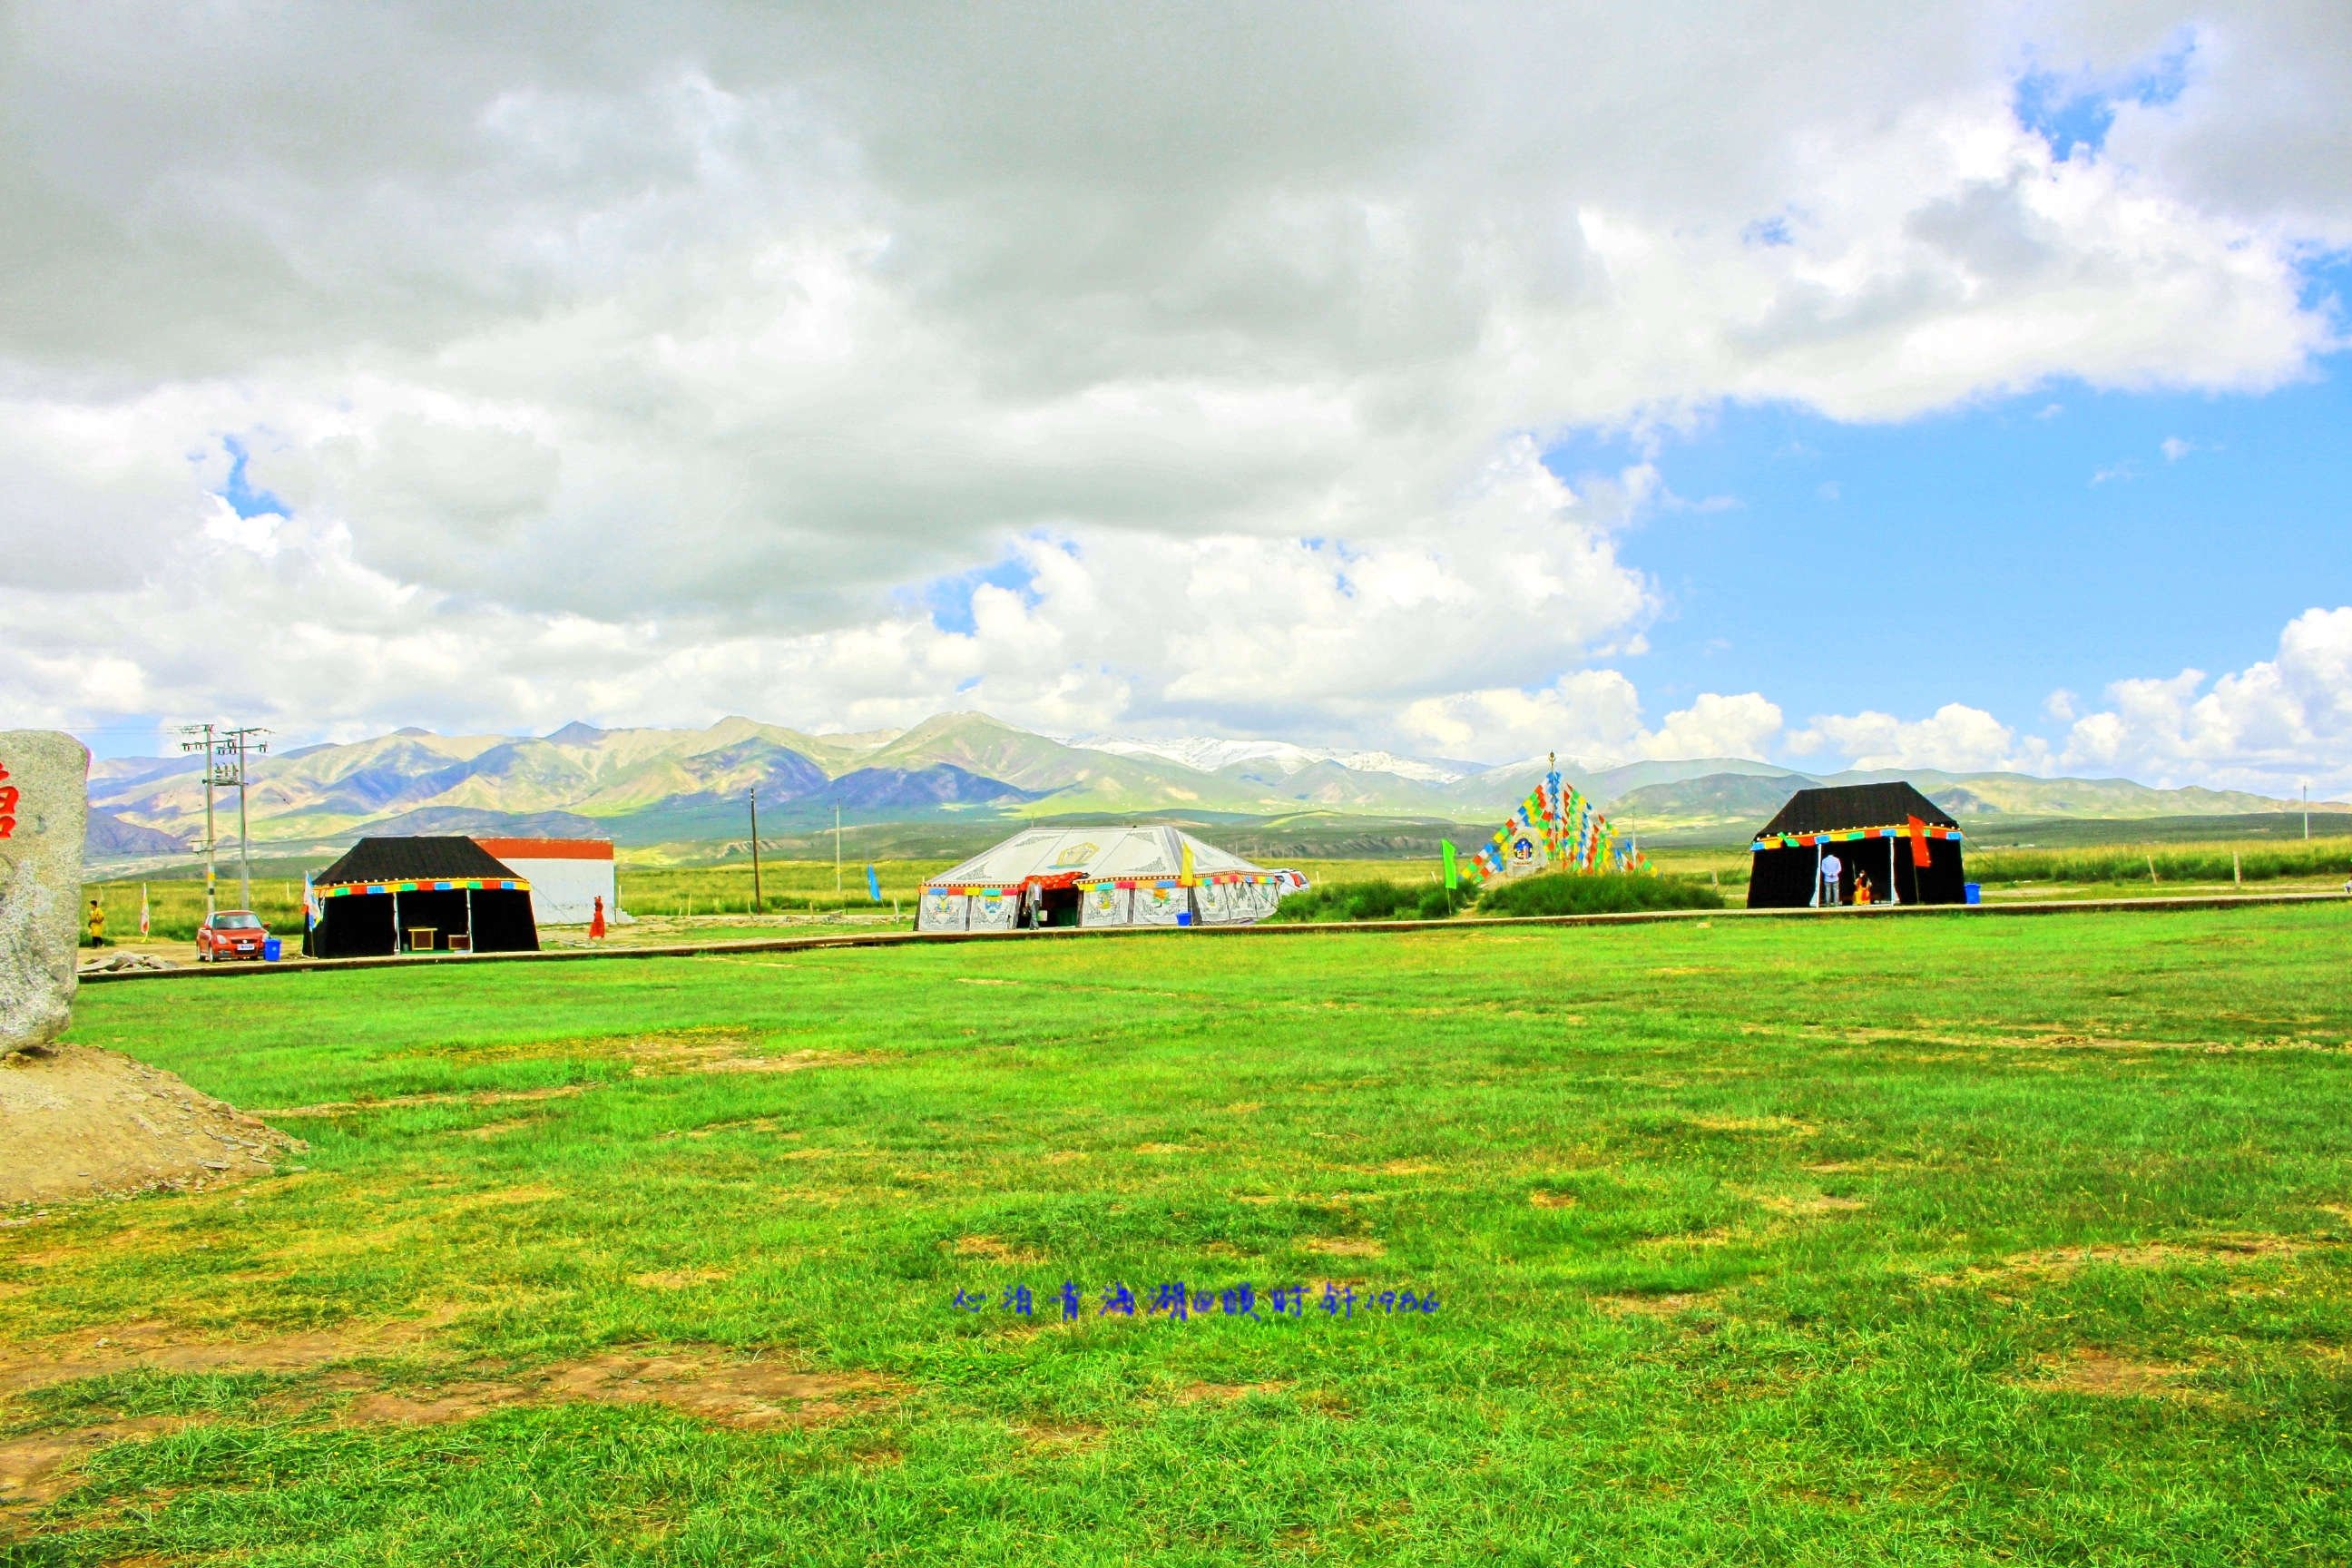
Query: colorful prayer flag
x=1445, y=849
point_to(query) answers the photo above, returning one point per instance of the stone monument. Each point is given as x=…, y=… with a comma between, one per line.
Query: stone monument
x=44, y=811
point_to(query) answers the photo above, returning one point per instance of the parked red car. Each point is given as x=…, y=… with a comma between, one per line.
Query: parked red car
x=231, y=934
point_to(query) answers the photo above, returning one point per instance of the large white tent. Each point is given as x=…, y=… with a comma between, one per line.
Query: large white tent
x=1101, y=877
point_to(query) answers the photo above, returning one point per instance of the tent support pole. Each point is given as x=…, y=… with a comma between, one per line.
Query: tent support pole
x=1894, y=893
x=1815, y=901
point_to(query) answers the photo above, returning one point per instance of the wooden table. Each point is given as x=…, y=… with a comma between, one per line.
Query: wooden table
x=427, y=933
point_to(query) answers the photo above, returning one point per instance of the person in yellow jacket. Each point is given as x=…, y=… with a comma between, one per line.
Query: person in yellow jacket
x=97, y=924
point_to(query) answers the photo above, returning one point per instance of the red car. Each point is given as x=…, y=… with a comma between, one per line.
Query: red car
x=230, y=933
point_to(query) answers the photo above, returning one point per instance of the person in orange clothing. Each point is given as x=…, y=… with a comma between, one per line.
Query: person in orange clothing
x=1861, y=887
x=597, y=921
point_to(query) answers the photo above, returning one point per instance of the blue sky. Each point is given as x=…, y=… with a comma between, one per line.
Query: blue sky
x=1980, y=557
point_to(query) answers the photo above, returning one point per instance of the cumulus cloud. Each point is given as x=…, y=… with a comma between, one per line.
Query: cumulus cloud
x=1594, y=716
x=2264, y=727
x=650, y=364
x=1955, y=739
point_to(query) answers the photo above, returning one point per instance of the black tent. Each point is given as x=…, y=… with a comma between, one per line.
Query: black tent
x=414, y=895
x=1870, y=829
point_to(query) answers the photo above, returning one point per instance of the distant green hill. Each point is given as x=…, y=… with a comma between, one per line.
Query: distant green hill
x=960, y=774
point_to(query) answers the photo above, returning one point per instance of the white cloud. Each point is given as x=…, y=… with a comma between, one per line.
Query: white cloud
x=2174, y=448
x=648, y=366
x=1955, y=739
x=1594, y=716
x=2263, y=727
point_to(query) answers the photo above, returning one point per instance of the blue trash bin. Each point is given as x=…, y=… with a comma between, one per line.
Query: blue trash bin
x=1971, y=893
x=270, y=950
x=1185, y=917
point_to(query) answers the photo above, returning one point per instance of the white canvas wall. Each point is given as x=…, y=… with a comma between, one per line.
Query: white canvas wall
x=563, y=892
x=942, y=910
x=1103, y=907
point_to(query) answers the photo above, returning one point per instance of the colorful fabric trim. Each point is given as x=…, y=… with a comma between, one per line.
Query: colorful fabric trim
x=428, y=885
x=1088, y=884
x=1845, y=836
x=1574, y=836
x=1214, y=879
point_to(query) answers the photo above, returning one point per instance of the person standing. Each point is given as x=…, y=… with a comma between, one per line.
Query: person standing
x=1832, y=868
x=596, y=920
x=97, y=924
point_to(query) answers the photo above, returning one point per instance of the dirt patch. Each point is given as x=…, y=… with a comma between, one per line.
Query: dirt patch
x=81, y=1120
x=482, y=1097
x=1804, y=1206
x=794, y=1062
x=1057, y=1435
x=1167, y=1149
x=490, y=1130
x=709, y=1385
x=39, y=1467
x=1225, y=1393
x=1781, y=1124
x=1345, y=1247
x=1067, y=1156
x=678, y=1279
x=994, y=1248
x=2226, y=1250
x=1544, y=1200
x=2105, y=1376
x=160, y=1347
x=1670, y=1306
x=1719, y=1236
x=1410, y=1168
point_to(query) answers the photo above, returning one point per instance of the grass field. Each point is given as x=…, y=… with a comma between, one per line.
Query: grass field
x=1924, y=1242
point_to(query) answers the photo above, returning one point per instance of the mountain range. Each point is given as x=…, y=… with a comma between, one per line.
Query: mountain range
x=650, y=786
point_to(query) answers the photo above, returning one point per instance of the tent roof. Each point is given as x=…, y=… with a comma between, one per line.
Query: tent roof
x=1855, y=806
x=412, y=859
x=1093, y=851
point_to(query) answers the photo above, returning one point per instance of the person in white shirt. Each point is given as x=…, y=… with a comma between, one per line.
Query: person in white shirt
x=1832, y=868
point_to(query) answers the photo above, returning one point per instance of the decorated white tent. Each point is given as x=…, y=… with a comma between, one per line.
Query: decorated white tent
x=1101, y=877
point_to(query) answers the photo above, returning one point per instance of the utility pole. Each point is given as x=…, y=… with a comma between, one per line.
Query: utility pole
x=205, y=746
x=240, y=742
x=756, y=900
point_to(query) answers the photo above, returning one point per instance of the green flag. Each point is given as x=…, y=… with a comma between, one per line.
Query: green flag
x=1453, y=877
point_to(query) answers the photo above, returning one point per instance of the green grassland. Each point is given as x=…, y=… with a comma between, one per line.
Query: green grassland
x=1850, y=1241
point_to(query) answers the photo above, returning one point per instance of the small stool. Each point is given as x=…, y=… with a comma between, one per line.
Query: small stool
x=460, y=941
x=427, y=933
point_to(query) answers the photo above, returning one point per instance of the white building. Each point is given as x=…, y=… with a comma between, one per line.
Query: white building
x=567, y=876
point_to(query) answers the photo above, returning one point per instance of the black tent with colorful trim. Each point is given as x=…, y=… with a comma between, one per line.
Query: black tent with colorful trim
x=416, y=895
x=1906, y=844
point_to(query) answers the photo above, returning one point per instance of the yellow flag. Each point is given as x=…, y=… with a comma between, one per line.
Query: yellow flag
x=1185, y=876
